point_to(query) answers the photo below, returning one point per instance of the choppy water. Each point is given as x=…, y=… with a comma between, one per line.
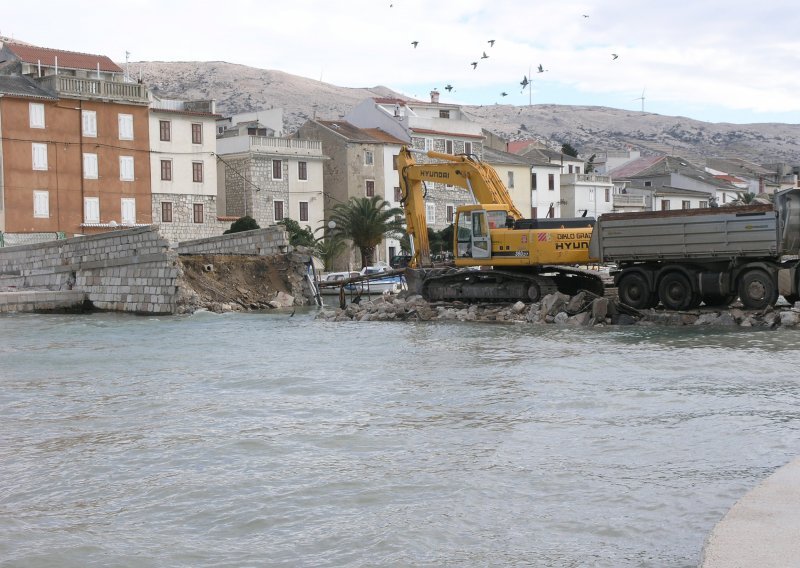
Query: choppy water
x=264, y=440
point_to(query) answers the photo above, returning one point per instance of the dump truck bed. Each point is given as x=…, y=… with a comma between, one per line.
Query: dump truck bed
x=713, y=233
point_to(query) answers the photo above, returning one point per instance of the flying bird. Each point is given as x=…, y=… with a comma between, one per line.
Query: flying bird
x=614, y=56
x=449, y=88
x=540, y=69
x=414, y=43
x=524, y=81
x=491, y=43
x=484, y=56
x=585, y=15
x=474, y=64
x=503, y=94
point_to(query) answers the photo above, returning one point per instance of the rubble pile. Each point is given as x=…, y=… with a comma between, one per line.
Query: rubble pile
x=581, y=310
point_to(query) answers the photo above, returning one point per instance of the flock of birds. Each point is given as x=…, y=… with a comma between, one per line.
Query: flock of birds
x=525, y=83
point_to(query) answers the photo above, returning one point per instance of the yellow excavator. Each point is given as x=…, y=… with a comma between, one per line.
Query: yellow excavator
x=498, y=255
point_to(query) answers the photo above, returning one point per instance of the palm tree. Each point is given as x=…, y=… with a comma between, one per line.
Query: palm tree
x=366, y=221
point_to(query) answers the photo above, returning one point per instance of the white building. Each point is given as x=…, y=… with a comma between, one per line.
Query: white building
x=183, y=168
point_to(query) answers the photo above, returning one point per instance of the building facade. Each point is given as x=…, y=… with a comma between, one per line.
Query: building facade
x=75, y=161
x=183, y=167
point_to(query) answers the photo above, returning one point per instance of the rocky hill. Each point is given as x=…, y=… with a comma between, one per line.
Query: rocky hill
x=238, y=88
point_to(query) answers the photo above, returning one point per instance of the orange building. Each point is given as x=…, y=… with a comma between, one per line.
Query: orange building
x=74, y=154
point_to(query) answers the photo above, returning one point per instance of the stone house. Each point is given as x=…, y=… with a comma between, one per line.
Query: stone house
x=184, y=169
x=361, y=164
x=75, y=150
x=270, y=179
x=426, y=126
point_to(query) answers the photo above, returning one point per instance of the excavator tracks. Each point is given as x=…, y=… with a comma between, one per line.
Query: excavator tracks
x=500, y=285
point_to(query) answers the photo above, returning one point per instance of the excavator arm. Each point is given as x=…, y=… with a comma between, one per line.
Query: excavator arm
x=461, y=171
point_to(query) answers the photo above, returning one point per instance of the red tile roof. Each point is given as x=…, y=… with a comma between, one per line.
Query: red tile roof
x=383, y=136
x=66, y=59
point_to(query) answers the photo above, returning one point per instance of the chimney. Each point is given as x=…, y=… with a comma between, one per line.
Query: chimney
x=434, y=96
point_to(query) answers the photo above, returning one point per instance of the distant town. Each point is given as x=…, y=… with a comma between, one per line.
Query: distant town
x=87, y=149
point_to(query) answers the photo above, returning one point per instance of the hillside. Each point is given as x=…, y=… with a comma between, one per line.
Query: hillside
x=238, y=88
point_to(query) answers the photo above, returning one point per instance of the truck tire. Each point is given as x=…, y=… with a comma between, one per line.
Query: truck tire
x=634, y=290
x=675, y=292
x=757, y=289
x=713, y=301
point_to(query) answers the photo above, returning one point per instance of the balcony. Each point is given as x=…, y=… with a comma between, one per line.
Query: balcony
x=83, y=88
x=625, y=201
x=572, y=179
x=268, y=145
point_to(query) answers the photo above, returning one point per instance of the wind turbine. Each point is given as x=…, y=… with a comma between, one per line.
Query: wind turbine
x=642, y=99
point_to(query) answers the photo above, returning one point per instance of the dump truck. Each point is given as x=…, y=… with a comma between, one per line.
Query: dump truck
x=687, y=257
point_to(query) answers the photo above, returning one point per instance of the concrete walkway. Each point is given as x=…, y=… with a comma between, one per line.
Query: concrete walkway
x=762, y=530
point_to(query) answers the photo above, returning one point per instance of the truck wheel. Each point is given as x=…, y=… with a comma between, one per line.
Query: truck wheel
x=757, y=289
x=634, y=290
x=675, y=292
x=534, y=293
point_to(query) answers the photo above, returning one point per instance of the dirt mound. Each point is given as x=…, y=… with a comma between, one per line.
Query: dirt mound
x=221, y=283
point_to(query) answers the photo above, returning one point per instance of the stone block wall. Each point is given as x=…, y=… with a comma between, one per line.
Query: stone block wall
x=130, y=270
x=183, y=227
x=262, y=242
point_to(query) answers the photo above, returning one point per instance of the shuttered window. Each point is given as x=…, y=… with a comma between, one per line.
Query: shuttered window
x=89, y=123
x=128, y=211
x=36, y=111
x=41, y=203
x=126, y=168
x=91, y=210
x=39, y=156
x=126, y=127
x=90, y=166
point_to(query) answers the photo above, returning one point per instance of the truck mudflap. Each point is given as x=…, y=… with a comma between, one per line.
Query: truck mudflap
x=501, y=285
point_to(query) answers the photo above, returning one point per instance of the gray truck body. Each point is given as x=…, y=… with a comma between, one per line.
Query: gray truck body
x=713, y=248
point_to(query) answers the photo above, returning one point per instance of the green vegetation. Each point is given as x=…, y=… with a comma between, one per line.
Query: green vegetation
x=366, y=221
x=245, y=223
x=298, y=236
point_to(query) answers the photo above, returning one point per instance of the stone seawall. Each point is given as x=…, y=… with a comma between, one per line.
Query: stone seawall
x=128, y=271
x=259, y=242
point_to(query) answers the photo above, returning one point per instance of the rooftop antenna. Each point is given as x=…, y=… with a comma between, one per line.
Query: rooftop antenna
x=642, y=99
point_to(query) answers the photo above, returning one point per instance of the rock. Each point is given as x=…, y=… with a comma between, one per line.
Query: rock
x=283, y=299
x=789, y=318
x=552, y=303
x=581, y=319
x=623, y=319
x=518, y=308
x=600, y=309
x=561, y=318
x=709, y=318
x=575, y=303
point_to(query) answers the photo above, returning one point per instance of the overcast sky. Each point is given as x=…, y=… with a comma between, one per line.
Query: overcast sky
x=720, y=61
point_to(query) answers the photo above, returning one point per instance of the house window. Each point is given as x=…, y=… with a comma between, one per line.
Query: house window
x=468, y=147
x=278, y=208
x=449, y=209
x=577, y=169
x=89, y=123
x=197, y=133
x=398, y=196
x=534, y=213
x=685, y=204
x=665, y=204
x=90, y=166
x=126, y=168
x=551, y=182
x=569, y=169
x=197, y=212
x=448, y=146
x=304, y=210
x=166, y=212
x=277, y=169
x=533, y=182
x=428, y=144
x=703, y=204
x=36, y=112
x=128, y=211
x=430, y=213
x=126, y=127
x=369, y=158
x=91, y=209
x=608, y=194
x=41, y=203
x=165, y=130
x=302, y=170
x=724, y=195
x=166, y=170
x=39, y=156
x=510, y=180
x=370, y=188
x=197, y=172
x=648, y=184
x=444, y=114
